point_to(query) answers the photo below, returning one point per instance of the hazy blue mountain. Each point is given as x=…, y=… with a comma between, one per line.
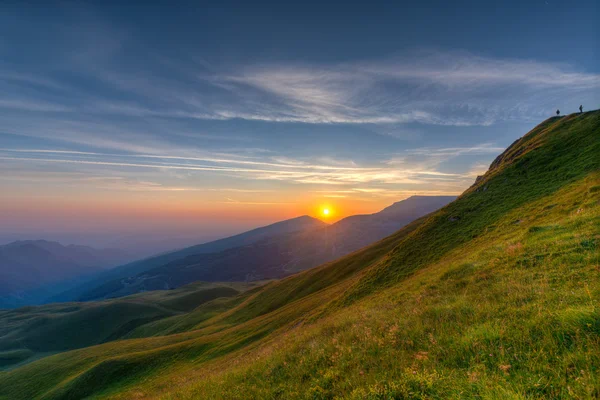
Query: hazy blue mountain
x=30, y=270
x=268, y=256
x=299, y=224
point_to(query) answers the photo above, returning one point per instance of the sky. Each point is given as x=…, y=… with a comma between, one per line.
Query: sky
x=201, y=120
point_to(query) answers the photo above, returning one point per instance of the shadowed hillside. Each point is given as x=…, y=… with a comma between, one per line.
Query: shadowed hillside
x=496, y=295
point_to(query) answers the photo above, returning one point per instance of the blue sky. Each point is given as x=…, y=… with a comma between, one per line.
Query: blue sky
x=238, y=112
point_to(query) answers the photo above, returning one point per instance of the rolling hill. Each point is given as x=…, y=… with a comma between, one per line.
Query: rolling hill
x=31, y=332
x=272, y=256
x=496, y=295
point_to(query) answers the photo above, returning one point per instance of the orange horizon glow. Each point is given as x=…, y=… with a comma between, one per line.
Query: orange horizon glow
x=132, y=211
x=92, y=208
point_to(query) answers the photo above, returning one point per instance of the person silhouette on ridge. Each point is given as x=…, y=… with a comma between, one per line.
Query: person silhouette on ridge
x=580, y=109
x=557, y=112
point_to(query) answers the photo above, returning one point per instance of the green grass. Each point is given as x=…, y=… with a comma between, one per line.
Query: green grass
x=60, y=327
x=502, y=302
x=536, y=166
x=481, y=323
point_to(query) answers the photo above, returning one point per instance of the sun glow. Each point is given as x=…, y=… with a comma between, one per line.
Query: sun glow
x=326, y=211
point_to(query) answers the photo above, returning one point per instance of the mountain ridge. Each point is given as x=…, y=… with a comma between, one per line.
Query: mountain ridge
x=138, y=266
x=274, y=256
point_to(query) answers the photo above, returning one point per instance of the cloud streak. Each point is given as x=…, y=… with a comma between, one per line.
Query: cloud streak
x=294, y=172
x=425, y=87
x=428, y=87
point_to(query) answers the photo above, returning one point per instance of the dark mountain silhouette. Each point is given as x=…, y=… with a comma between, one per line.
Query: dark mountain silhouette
x=268, y=257
x=246, y=238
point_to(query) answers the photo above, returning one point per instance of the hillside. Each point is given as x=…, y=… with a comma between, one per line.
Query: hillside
x=495, y=295
x=32, y=332
x=33, y=269
x=271, y=257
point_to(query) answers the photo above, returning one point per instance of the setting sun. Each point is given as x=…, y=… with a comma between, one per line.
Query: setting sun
x=326, y=211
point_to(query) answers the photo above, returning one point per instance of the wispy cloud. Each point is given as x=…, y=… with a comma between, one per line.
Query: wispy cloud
x=89, y=179
x=428, y=87
x=30, y=79
x=460, y=68
x=283, y=162
x=431, y=157
x=486, y=148
x=305, y=173
x=478, y=169
x=179, y=117
x=254, y=203
x=378, y=193
x=431, y=87
x=33, y=105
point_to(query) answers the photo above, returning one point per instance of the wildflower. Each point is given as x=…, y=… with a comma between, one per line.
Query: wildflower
x=432, y=339
x=504, y=368
x=514, y=248
x=473, y=375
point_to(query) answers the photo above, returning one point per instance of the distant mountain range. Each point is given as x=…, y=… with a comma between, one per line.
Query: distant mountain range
x=113, y=276
x=40, y=271
x=270, y=252
x=28, y=268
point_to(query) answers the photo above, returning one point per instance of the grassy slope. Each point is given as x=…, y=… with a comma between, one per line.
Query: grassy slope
x=502, y=302
x=113, y=366
x=556, y=152
x=513, y=314
x=29, y=331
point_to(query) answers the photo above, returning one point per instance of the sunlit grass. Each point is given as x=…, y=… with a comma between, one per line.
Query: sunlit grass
x=518, y=317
